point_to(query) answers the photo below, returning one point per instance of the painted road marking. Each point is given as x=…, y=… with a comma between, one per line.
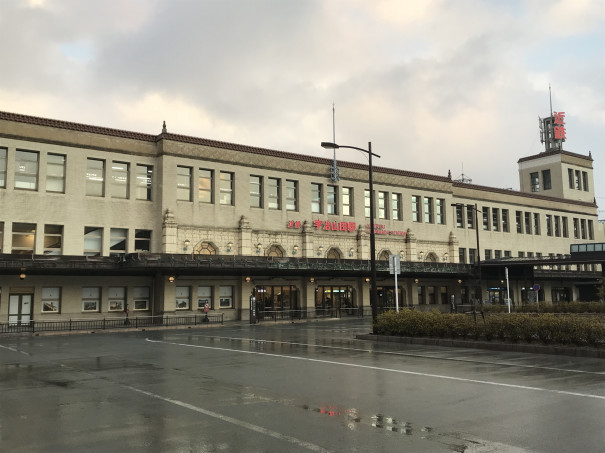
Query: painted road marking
x=369, y=367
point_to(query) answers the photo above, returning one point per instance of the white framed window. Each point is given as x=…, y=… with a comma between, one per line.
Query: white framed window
x=117, y=298
x=3, y=167
x=256, y=191
x=51, y=300
x=91, y=299
x=273, y=193
x=428, y=209
x=183, y=298
x=396, y=206
x=142, y=240
x=120, y=179
x=24, y=235
x=382, y=205
x=226, y=188
x=315, y=198
x=95, y=177
x=225, y=295
x=55, y=173
x=205, y=185
x=416, y=209
x=204, y=296
x=26, y=170
x=144, y=181
x=93, y=241
x=183, y=183
x=347, y=201
x=332, y=199
x=291, y=195
x=53, y=239
x=440, y=211
x=141, y=298
x=118, y=237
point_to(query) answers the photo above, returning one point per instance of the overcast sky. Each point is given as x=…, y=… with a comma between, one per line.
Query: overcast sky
x=435, y=85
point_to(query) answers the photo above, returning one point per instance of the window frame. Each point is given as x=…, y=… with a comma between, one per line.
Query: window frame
x=54, y=177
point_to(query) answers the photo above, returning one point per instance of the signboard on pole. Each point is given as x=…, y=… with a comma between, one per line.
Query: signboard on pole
x=394, y=264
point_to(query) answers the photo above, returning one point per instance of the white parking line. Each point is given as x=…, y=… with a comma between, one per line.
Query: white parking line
x=407, y=354
x=234, y=421
x=368, y=367
x=14, y=350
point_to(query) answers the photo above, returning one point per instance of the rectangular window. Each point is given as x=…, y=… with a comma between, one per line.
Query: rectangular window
x=430, y=295
x=505, y=227
x=521, y=254
x=120, y=179
x=576, y=229
x=459, y=216
x=366, y=202
x=428, y=210
x=141, y=298
x=534, y=181
x=577, y=180
x=488, y=254
x=530, y=254
x=495, y=219
x=95, y=177
x=116, y=299
x=53, y=239
x=142, y=240
x=204, y=296
x=440, y=211
x=590, y=230
x=183, y=297
x=527, y=223
x=93, y=241
x=557, y=226
x=497, y=254
x=519, y=221
x=225, y=296
x=183, y=183
x=421, y=294
x=205, y=186
x=583, y=228
x=396, y=206
x=26, y=170
x=226, y=188
x=507, y=254
x=415, y=208
x=546, y=180
x=332, y=199
x=24, y=236
x=470, y=216
x=256, y=191
x=462, y=255
x=315, y=198
x=347, y=201
x=274, y=193
x=91, y=299
x=118, y=238
x=565, y=227
x=51, y=300
x=1, y=235
x=548, y=225
x=570, y=177
x=291, y=195
x=55, y=173
x=472, y=256
x=536, y=223
x=144, y=180
x=3, y=152
x=485, y=212
x=382, y=205
x=585, y=181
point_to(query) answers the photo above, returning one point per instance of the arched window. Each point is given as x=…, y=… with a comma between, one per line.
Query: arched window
x=205, y=248
x=334, y=254
x=275, y=250
x=384, y=255
x=432, y=258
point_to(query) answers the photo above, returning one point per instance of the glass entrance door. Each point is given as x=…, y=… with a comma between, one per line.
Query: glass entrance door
x=19, y=309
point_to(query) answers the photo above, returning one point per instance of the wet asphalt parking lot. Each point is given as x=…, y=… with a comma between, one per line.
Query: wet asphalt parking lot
x=290, y=388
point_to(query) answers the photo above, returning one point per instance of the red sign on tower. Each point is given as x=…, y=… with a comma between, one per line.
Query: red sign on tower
x=559, y=129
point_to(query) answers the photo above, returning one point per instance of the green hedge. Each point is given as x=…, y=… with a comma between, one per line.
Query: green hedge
x=545, y=328
x=564, y=307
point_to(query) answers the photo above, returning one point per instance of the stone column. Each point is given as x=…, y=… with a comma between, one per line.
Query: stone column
x=169, y=233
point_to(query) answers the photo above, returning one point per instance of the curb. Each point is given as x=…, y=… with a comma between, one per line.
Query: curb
x=494, y=346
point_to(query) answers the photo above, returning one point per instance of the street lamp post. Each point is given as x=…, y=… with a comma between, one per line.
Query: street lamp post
x=476, y=209
x=373, y=290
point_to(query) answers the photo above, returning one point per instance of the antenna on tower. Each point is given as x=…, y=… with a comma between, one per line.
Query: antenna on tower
x=334, y=170
x=463, y=178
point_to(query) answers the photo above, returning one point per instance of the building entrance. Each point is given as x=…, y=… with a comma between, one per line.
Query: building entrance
x=20, y=309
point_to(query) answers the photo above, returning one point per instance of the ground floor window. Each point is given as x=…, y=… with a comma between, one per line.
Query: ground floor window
x=204, y=296
x=276, y=297
x=51, y=300
x=183, y=298
x=117, y=299
x=225, y=295
x=386, y=297
x=334, y=297
x=141, y=298
x=91, y=299
x=560, y=295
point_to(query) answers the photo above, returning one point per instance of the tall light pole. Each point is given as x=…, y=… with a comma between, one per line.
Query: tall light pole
x=476, y=209
x=373, y=290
